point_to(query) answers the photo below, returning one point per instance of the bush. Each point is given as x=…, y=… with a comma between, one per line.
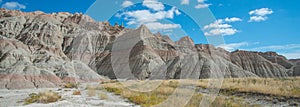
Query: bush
x=43, y=97
x=71, y=85
x=114, y=90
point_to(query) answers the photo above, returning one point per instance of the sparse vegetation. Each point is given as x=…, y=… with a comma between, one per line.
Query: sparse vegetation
x=160, y=94
x=91, y=92
x=275, y=87
x=42, y=97
x=102, y=96
x=76, y=92
x=71, y=85
x=142, y=98
x=288, y=87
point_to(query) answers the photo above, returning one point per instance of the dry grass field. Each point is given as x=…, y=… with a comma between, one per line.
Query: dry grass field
x=288, y=87
x=149, y=93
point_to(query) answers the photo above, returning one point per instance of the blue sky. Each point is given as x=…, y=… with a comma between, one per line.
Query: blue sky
x=258, y=25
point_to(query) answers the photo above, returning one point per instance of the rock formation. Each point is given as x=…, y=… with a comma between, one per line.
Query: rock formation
x=47, y=50
x=33, y=50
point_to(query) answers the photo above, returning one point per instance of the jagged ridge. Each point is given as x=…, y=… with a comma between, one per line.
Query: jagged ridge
x=46, y=50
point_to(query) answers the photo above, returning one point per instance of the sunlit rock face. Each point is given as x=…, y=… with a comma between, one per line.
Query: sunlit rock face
x=47, y=50
x=34, y=50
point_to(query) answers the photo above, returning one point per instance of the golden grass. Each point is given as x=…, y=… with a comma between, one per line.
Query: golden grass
x=42, y=97
x=162, y=92
x=142, y=98
x=288, y=87
x=94, y=91
x=71, y=85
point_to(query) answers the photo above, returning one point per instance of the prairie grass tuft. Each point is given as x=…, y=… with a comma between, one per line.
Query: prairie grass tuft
x=42, y=97
x=71, y=85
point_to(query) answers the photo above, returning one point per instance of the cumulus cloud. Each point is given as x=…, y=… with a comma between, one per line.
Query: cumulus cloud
x=185, y=2
x=257, y=18
x=202, y=4
x=146, y=16
x=127, y=3
x=154, y=5
x=199, y=6
x=160, y=26
x=220, y=27
x=150, y=17
x=233, y=19
x=221, y=31
x=233, y=46
x=261, y=12
x=259, y=15
x=216, y=24
x=13, y=6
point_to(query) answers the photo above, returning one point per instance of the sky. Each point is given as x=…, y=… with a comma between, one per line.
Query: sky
x=254, y=25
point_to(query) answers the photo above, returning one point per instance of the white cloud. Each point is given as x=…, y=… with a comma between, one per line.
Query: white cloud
x=0, y=1
x=127, y=3
x=259, y=15
x=177, y=12
x=185, y=2
x=261, y=12
x=160, y=26
x=151, y=18
x=202, y=5
x=201, y=1
x=291, y=51
x=145, y=16
x=220, y=27
x=277, y=47
x=13, y=6
x=216, y=24
x=154, y=5
x=233, y=46
x=257, y=18
x=291, y=55
x=233, y=19
x=221, y=31
x=170, y=13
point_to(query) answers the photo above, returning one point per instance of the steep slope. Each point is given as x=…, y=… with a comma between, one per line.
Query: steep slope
x=32, y=50
x=295, y=70
x=150, y=56
x=47, y=50
x=253, y=62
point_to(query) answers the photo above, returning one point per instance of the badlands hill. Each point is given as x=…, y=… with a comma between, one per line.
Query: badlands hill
x=46, y=50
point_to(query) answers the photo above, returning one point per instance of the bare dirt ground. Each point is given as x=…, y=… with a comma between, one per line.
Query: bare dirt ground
x=15, y=98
